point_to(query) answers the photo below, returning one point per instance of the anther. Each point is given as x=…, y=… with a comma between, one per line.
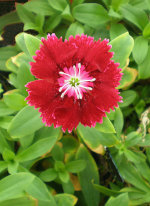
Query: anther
x=79, y=67
x=74, y=67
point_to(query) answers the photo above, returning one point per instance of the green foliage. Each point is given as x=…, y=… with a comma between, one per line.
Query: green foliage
x=85, y=13
x=25, y=122
x=121, y=52
x=89, y=174
x=108, y=164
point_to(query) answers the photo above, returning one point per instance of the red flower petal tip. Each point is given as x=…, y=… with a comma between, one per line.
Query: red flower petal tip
x=76, y=83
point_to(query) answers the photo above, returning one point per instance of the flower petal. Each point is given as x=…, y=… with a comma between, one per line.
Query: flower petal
x=41, y=93
x=52, y=54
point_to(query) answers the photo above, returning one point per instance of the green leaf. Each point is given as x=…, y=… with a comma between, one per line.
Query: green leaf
x=144, y=4
x=128, y=78
x=9, y=188
x=37, y=149
x=64, y=176
x=23, y=77
x=25, y=122
x=58, y=5
x=145, y=142
x=89, y=174
x=93, y=138
x=146, y=32
x=134, y=157
x=4, y=121
x=5, y=53
x=20, y=59
x=134, y=15
x=8, y=155
x=70, y=144
x=32, y=43
x=11, y=66
x=140, y=49
x=106, y=126
x=1, y=89
x=65, y=200
x=130, y=173
x=57, y=153
x=132, y=139
x=48, y=131
x=122, y=200
x=14, y=100
x=144, y=71
x=74, y=29
x=26, y=140
x=116, y=30
x=116, y=3
x=48, y=175
x=27, y=17
x=122, y=47
x=76, y=2
x=13, y=167
x=3, y=140
x=75, y=166
x=3, y=165
x=39, y=7
x=59, y=166
x=66, y=14
x=143, y=168
x=9, y=18
x=140, y=106
x=52, y=22
x=91, y=14
x=38, y=190
x=105, y=190
x=39, y=22
x=20, y=41
x=128, y=97
x=114, y=15
x=23, y=201
x=68, y=187
x=118, y=121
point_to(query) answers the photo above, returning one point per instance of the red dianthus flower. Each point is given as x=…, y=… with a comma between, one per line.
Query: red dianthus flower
x=77, y=81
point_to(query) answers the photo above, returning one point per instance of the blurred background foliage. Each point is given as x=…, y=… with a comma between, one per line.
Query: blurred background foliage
x=106, y=165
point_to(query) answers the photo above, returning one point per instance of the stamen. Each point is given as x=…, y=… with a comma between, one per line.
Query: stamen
x=79, y=67
x=75, y=82
x=65, y=74
x=75, y=89
x=88, y=88
x=80, y=96
x=74, y=67
x=60, y=89
x=88, y=80
x=62, y=95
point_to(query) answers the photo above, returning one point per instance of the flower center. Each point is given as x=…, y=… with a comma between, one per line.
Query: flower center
x=75, y=81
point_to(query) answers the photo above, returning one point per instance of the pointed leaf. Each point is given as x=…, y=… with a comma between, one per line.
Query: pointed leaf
x=106, y=126
x=119, y=200
x=37, y=149
x=32, y=43
x=9, y=188
x=122, y=47
x=89, y=174
x=25, y=122
x=91, y=14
